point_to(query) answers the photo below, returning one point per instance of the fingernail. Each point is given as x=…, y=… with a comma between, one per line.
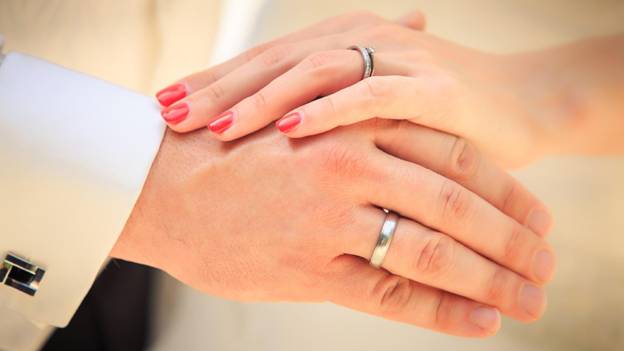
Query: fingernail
x=544, y=265
x=539, y=221
x=171, y=94
x=175, y=114
x=222, y=123
x=289, y=122
x=485, y=318
x=532, y=299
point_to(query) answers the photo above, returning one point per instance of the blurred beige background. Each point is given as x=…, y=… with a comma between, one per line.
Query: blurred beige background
x=144, y=44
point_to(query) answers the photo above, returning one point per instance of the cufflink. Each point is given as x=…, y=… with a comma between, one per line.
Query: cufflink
x=21, y=274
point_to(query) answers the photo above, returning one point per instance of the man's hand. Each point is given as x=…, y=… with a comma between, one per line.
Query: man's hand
x=278, y=219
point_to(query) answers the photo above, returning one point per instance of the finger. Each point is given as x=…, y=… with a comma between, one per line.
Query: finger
x=208, y=104
x=390, y=97
x=335, y=25
x=415, y=20
x=199, y=80
x=353, y=283
x=319, y=74
x=354, y=104
x=442, y=204
x=434, y=259
x=455, y=158
x=205, y=107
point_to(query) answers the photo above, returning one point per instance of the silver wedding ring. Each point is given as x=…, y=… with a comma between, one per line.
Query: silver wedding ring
x=385, y=238
x=367, y=55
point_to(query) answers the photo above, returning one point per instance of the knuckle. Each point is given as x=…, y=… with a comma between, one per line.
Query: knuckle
x=463, y=160
x=436, y=256
x=392, y=294
x=318, y=60
x=507, y=199
x=254, y=52
x=276, y=55
x=215, y=92
x=375, y=88
x=497, y=287
x=328, y=105
x=442, y=314
x=396, y=130
x=259, y=100
x=454, y=202
x=513, y=244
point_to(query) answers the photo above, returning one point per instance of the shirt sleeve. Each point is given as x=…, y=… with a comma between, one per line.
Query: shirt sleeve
x=74, y=153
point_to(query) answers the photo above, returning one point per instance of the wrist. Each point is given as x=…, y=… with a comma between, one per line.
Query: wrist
x=551, y=106
x=131, y=245
x=574, y=96
x=146, y=237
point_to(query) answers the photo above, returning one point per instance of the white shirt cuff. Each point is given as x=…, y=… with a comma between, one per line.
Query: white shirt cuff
x=74, y=154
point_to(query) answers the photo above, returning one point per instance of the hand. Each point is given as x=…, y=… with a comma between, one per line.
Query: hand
x=515, y=108
x=268, y=53
x=277, y=219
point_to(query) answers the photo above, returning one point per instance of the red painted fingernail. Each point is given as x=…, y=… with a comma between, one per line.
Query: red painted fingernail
x=222, y=123
x=171, y=94
x=175, y=114
x=288, y=122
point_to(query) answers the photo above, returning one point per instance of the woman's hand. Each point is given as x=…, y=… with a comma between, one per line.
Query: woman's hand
x=515, y=108
x=272, y=218
x=265, y=53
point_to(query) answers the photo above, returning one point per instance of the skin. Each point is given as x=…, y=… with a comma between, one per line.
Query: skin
x=271, y=218
x=469, y=244
x=516, y=108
